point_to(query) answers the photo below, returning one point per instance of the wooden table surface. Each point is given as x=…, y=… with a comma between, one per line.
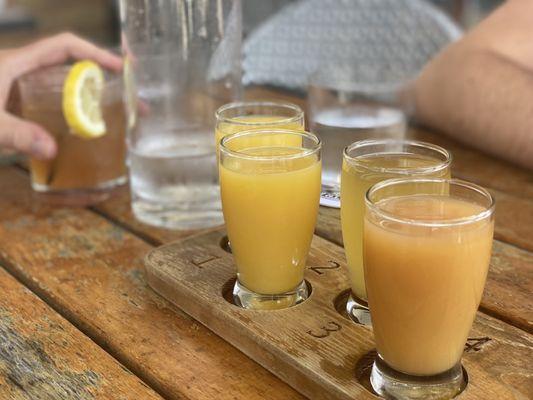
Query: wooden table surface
x=77, y=319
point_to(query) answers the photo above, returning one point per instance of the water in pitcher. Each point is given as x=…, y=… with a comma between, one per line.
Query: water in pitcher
x=174, y=184
x=338, y=127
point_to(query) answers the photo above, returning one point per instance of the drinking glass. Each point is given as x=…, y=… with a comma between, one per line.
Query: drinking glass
x=257, y=115
x=183, y=61
x=348, y=103
x=427, y=247
x=84, y=170
x=270, y=186
x=365, y=163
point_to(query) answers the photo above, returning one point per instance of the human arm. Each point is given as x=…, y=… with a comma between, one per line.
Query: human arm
x=26, y=136
x=480, y=89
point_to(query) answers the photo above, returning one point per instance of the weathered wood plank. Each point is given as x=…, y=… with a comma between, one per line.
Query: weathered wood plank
x=509, y=284
x=91, y=271
x=514, y=220
x=475, y=166
x=118, y=210
x=42, y=356
x=313, y=346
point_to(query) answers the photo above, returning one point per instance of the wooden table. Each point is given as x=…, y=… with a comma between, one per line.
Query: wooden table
x=77, y=319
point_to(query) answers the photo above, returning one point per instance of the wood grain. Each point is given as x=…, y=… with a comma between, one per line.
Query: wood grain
x=514, y=219
x=42, y=356
x=312, y=346
x=118, y=210
x=91, y=272
x=507, y=294
x=473, y=165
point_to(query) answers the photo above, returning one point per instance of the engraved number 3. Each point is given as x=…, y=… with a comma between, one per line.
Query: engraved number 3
x=325, y=330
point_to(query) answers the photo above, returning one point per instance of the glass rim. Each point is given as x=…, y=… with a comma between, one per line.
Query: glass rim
x=256, y=132
x=487, y=212
x=346, y=84
x=111, y=78
x=443, y=164
x=287, y=105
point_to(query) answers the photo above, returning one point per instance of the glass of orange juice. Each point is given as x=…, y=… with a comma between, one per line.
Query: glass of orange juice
x=270, y=189
x=427, y=247
x=365, y=163
x=254, y=115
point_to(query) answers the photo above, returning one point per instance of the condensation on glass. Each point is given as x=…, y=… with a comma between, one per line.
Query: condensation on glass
x=183, y=61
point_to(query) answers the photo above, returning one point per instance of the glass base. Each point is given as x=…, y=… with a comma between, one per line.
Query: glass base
x=77, y=197
x=247, y=299
x=392, y=384
x=330, y=196
x=357, y=310
x=167, y=216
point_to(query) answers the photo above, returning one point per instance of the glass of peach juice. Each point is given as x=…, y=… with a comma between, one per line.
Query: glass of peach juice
x=270, y=188
x=427, y=248
x=364, y=164
x=257, y=115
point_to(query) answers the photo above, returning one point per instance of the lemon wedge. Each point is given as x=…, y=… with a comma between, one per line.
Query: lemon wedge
x=130, y=90
x=82, y=94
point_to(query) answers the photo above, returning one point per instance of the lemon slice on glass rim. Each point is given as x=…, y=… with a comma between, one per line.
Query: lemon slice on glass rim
x=82, y=95
x=130, y=90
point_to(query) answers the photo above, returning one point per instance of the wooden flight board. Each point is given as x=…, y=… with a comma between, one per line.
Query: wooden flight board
x=313, y=346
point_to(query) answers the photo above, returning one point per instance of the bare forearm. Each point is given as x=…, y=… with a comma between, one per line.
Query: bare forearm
x=480, y=98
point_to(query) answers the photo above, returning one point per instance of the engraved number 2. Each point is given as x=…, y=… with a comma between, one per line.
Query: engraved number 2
x=332, y=265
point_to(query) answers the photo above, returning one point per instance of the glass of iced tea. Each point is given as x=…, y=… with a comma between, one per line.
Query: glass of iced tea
x=85, y=168
x=255, y=115
x=270, y=188
x=427, y=248
x=365, y=163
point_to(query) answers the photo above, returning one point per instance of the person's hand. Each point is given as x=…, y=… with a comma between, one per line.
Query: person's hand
x=25, y=136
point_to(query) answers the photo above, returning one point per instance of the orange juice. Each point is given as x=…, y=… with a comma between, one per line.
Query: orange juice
x=257, y=122
x=424, y=280
x=270, y=207
x=356, y=179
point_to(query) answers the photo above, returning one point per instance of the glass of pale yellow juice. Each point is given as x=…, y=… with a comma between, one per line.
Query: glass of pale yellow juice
x=427, y=248
x=365, y=163
x=254, y=115
x=270, y=189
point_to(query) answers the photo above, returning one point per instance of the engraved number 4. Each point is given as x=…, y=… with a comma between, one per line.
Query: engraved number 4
x=475, y=344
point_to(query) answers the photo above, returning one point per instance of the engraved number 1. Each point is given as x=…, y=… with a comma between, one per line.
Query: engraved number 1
x=201, y=263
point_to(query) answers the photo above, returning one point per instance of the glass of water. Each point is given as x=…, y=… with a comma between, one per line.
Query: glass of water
x=347, y=103
x=183, y=61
